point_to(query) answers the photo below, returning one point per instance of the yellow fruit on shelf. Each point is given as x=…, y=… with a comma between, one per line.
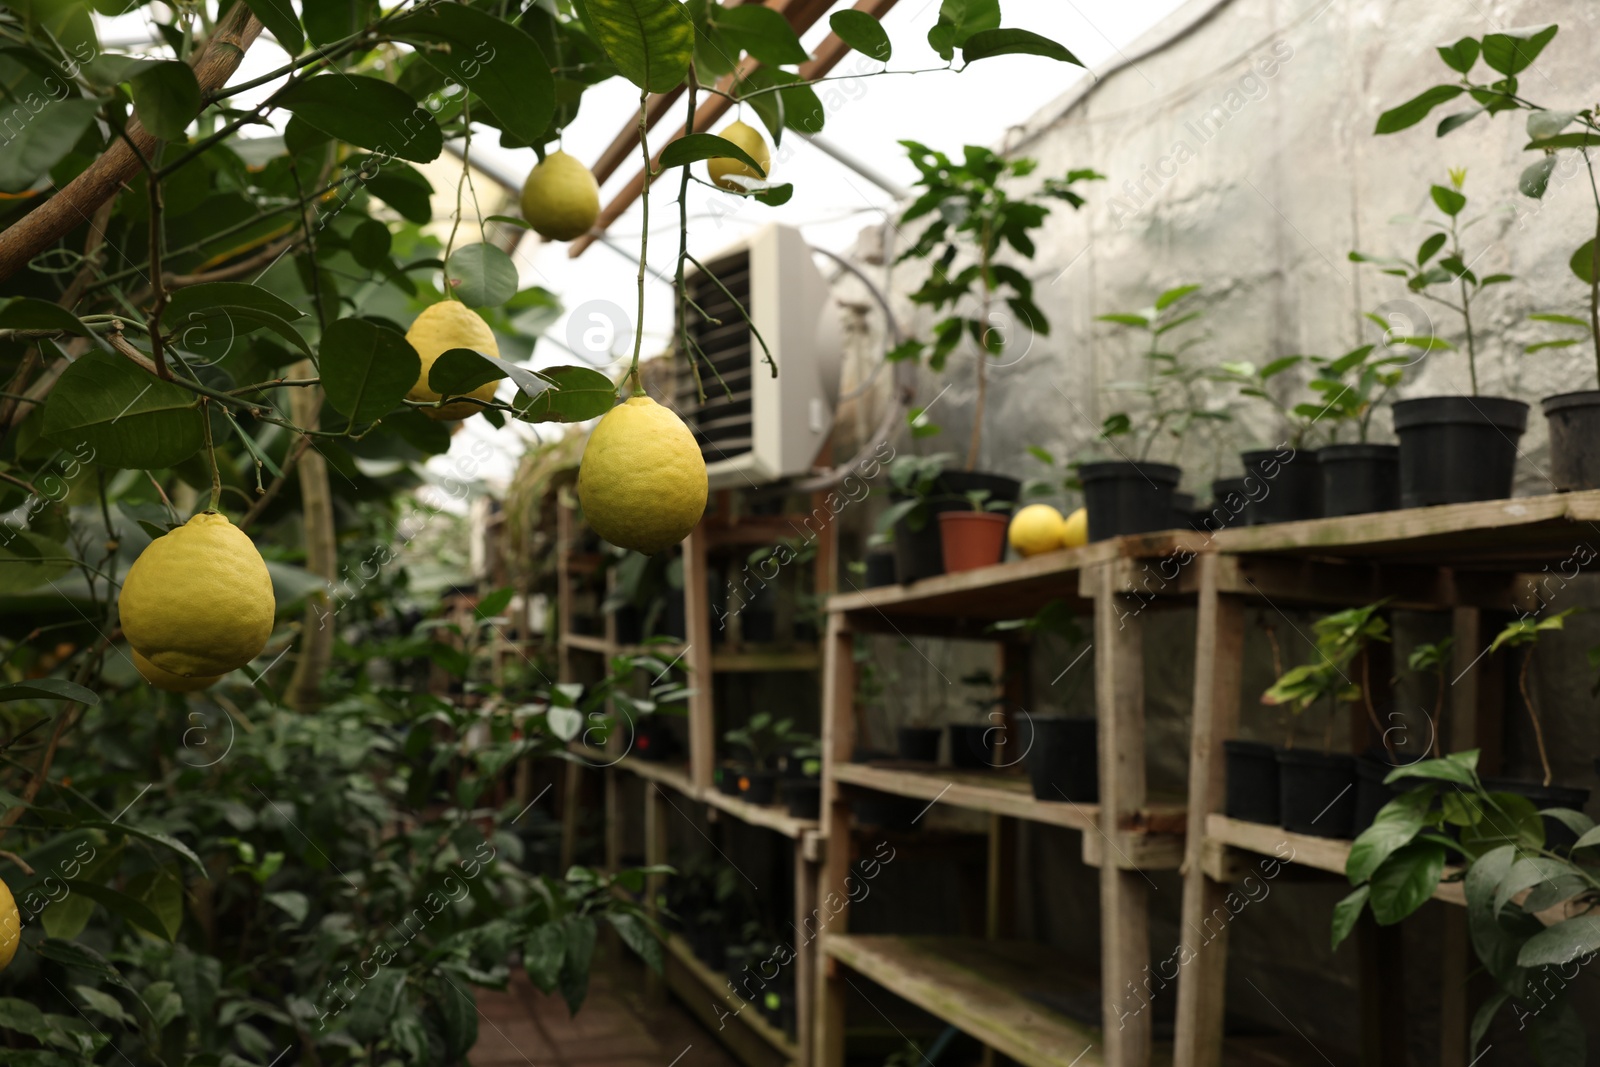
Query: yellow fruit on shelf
x=560, y=199
x=10, y=926
x=642, y=480
x=749, y=139
x=172, y=683
x=1076, y=533
x=441, y=327
x=198, y=602
x=1036, y=528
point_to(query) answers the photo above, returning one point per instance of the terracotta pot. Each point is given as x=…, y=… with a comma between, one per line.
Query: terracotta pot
x=971, y=539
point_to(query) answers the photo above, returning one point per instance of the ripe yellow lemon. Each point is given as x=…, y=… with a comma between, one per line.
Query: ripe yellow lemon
x=441, y=327
x=746, y=137
x=10, y=926
x=172, y=683
x=1076, y=532
x=560, y=199
x=642, y=480
x=198, y=601
x=1036, y=528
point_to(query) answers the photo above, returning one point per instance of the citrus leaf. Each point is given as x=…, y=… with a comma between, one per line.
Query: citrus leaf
x=402, y=188
x=862, y=32
x=153, y=836
x=27, y=313
x=650, y=41
x=693, y=147
x=482, y=276
x=1014, y=42
x=496, y=60
x=38, y=146
x=49, y=689
x=366, y=112
x=761, y=31
x=367, y=369
x=279, y=18
x=580, y=394
x=130, y=418
x=121, y=905
x=1582, y=261
x=1416, y=109
x=459, y=371
x=166, y=98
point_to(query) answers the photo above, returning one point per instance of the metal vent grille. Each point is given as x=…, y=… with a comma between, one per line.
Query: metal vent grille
x=722, y=425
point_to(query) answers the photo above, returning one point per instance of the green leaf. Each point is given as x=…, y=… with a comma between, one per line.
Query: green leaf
x=637, y=935
x=1429, y=247
x=1460, y=56
x=1416, y=109
x=794, y=106
x=367, y=369
x=958, y=21
x=121, y=905
x=1125, y=318
x=49, y=689
x=459, y=371
x=367, y=112
x=1396, y=825
x=1511, y=52
x=1558, y=1037
x=1562, y=943
x=1535, y=178
x=1454, y=122
x=1508, y=819
x=579, y=394
x=1525, y=873
x=1450, y=201
x=1405, y=881
x=650, y=41
x=374, y=1005
x=161, y=890
x=459, y=1014
x=105, y=1004
x=166, y=98
x=291, y=903
x=34, y=147
x=1484, y=1017
x=862, y=32
x=27, y=561
x=500, y=63
x=153, y=836
x=1441, y=770
x=279, y=17
x=481, y=275
x=83, y=957
x=1014, y=42
x=1543, y=123
x=1583, y=261
x=370, y=243
x=580, y=934
x=1346, y=912
x=327, y=21
x=1565, y=140
x=1172, y=296
x=28, y=313
x=542, y=953
x=761, y=31
x=692, y=148
x=402, y=188
x=129, y=417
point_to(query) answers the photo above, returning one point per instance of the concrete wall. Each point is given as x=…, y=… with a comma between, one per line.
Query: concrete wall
x=1241, y=157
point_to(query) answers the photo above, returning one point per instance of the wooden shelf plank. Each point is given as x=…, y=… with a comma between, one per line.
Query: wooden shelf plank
x=770, y=816
x=751, y=660
x=1322, y=853
x=586, y=642
x=980, y=987
x=734, y=1021
x=676, y=777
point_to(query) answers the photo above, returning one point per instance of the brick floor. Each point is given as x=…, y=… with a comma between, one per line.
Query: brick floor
x=618, y=1026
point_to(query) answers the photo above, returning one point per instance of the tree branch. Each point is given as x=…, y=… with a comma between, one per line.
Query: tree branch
x=213, y=65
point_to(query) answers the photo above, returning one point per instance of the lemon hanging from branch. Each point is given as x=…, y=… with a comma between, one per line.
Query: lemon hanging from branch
x=722, y=168
x=560, y=199
x=441, y=327
x=642, y=481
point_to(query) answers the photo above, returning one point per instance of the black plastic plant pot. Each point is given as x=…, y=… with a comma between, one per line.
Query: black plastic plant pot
x=880, y=567
x=1064, y=759
x=970, y=745
x=759, y=786
x=1556, y=832
x=727, y=777
x=1124, y=497
x=1359, y=479
x=918, y=550
x=1316, y=792
x=1230, y=503
x=1287, y=484
x=955, y=485
x=1182, y=511
x=1252, y=775
x=1454, y=449
x=1574, y=439
x=1371, y=793
x=919, y=743
x=803, y=796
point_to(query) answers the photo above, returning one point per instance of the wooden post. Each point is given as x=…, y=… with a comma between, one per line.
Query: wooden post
x=999, y=899
x=1124, y=918
x=805, y=947
x=1218, y=660
x=697, y=654
x=838, y=738
x=655, y=853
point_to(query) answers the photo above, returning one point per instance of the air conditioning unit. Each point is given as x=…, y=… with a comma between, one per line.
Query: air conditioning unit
x=753, y=428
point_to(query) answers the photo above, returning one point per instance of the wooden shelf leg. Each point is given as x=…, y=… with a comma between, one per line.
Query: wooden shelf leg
x=833, y=901
x=1203, y=956
x=613, y=785
x=1124, y=913
x=697, y=655
x=1000, y=897
x=571, y=794
x=805, y=947
x=655, y=853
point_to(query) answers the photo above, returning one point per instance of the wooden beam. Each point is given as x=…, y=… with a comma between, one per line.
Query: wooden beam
x=802, y=15
x=698, y=654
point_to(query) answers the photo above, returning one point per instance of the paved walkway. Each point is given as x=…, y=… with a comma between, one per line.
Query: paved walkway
x=616, y=1027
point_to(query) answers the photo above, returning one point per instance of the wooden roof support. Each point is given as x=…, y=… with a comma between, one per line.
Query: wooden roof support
x=802, y=15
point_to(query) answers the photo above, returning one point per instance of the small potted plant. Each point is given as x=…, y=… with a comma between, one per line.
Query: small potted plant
x=1289, y=471
x=763, y=737
x=802, y=777
x=915, y=500
x=1574, y=417
x=975, y=537
x=1132, y=493
x=1452, y=448
x=1317, y=789
x=915, y=740
x=972, y=743
x=1358, y=476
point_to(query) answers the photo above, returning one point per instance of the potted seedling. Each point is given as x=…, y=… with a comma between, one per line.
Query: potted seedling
x=1452, y=448
x=1061, y=751
x=1373, y=790
x=1524, y=633
x=1317, y=789
x=763, y=737
x=1358, y=476
x=802, y=776
x=1289, y=472
x=1133, y=493
x=987, y=304
x=915, y=501
x=1574, y=417
x=974, y=537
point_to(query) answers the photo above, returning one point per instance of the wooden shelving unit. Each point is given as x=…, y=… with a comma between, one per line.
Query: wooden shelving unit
x=1465, y=559
x=754, y=1040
